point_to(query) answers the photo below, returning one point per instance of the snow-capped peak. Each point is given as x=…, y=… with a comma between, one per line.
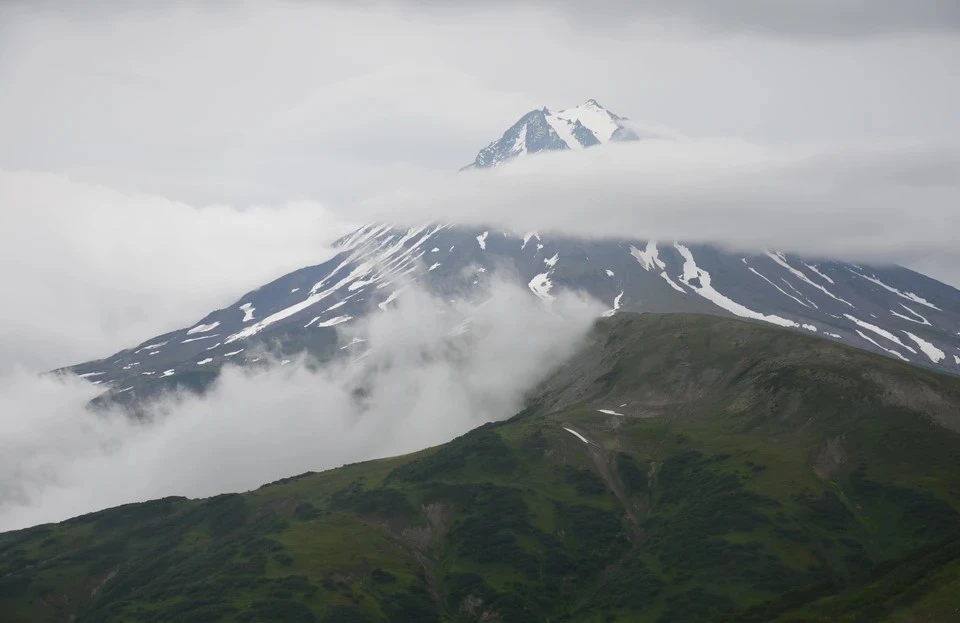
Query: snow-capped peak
x=599, y=121
x=581, y=126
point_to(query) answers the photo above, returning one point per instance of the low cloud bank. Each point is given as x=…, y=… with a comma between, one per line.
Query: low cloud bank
x=431, y=370
x=878, y=204
x=88, y=270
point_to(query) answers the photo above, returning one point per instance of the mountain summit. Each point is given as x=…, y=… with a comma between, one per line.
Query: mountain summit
x=579, y=127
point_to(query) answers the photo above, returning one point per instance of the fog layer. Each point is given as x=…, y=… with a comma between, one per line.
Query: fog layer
x=432, y=371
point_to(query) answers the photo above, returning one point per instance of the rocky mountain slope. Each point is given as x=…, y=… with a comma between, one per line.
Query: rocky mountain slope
x=889, y=310
x=679, y=468
x=893, y=310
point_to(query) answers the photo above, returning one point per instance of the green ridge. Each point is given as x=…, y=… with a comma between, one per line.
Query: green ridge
x=756, y=475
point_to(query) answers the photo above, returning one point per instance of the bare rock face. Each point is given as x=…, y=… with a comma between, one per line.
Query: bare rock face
x=831, y=455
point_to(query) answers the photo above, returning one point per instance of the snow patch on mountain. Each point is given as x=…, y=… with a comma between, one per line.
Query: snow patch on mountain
x=883, y=348
x=881, y=332
x=519, y=144
x=814, y=269
x=563, y=128
x=917, y=318
x=698, y=280
x=799, y=293
x=204, y=328
x=910, y=296
x=782, y=261
x=594, y=117
x=353, y=342
x=151, y=347
x=197, y=339
x=390, y=298
x=368, y=267
x=616, y=306
x=577, y=435
x=247, y=310
x=781, y=290
x=935, y=354
x=359, y=271
x=334, y=321
x=672, y=283
x=541, y=286
x=649, y=257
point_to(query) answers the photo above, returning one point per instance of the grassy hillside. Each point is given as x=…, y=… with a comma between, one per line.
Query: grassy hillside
x=752, y=474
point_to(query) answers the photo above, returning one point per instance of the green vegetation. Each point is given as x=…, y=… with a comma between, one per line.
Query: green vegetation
x=757, y=475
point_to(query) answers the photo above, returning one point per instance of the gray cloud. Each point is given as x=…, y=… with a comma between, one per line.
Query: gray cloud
x=89, y=270
x=425, y=383
x=893, y=204
x=96, y=270
x=812, y=18
x=273, y=103
x=265, y=102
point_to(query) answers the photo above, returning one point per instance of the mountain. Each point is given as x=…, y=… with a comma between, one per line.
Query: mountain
x=886, y=309
x=679, y=468
x=891, y=310
x=582, y=126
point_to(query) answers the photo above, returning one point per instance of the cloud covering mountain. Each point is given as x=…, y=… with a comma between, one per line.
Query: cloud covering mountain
x=425, y=378
x=158, y=161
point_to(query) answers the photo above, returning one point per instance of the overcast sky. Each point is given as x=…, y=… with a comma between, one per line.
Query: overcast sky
x=271, y=101
x=120, y=121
